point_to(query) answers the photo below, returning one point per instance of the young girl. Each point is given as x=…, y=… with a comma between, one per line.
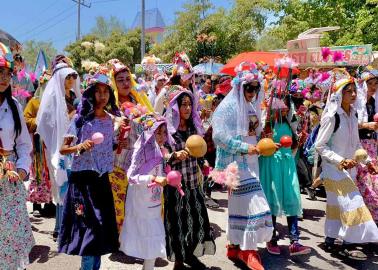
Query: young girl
x=280, y=182
x=187, y=227
x=16, y=238
x=89, y=226
x=142, y=233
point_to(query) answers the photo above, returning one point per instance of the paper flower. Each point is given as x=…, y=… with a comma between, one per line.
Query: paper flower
x=87, y=44
x=99, y=46
x=326, y=52
x=337, y=56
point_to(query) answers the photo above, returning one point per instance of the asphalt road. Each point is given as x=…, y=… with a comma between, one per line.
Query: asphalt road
x=44, y=255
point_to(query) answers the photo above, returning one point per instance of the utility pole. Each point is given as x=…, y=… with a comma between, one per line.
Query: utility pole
x=79, y=3
x=142, y=40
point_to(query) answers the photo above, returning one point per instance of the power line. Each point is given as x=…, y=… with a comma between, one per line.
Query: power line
x=49, y=27
x=27, y=33
x=79, y=4
x=40, y=12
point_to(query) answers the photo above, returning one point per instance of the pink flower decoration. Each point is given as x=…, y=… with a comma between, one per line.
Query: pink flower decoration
x=324, y=76
x=21, y=93
x=21, y=74
x=326, y=52
x=337, y=56
x=32, y=76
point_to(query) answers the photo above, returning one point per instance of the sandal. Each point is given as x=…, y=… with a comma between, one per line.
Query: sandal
x=210, y=203
x=357, y=255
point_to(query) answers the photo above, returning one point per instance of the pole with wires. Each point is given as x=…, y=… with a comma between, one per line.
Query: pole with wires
x=79, y=4
x=142, y=40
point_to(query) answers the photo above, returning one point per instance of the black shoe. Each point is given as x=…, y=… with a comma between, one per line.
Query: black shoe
x=194, y=263
x=55, y=236
x=36, y=214
x=210, y=203
x=311, y=193
x=49, y=210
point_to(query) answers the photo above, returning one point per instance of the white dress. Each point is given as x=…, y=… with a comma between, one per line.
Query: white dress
x=142, y=234
x=347, y=216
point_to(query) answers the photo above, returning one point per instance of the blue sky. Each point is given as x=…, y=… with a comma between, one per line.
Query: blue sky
x=56, y=20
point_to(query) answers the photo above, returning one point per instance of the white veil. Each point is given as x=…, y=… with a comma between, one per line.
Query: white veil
x=52, y=118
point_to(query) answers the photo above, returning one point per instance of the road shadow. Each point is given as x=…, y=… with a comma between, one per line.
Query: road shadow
x=369, y=249
x=313, y=214
x=216, y=230
x=223, y=203
x=41, y=254
x=123, y=258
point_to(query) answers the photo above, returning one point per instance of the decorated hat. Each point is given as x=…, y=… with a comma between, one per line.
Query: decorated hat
x=97, y=78
x=247, y=72
x=340, y=84
x=182, y=66
x=117, y=66
x=369, y=73
x=6, y=57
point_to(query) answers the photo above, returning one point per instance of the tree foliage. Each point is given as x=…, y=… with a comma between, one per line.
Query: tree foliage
x=30, y=50
x=120, y=45
x=228, y=32
x=104, y=27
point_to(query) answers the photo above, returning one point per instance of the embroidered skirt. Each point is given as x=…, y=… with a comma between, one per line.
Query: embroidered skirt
x=249, y=217
x=187, y=226
x=89, y=225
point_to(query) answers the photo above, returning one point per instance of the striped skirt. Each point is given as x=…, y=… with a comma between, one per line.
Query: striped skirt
x=347, y=216
x=249, y=217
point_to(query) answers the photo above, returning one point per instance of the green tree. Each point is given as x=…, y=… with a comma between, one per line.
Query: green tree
x=201, y=31
x=30, y=50
x=120, y=45
x=357, y=20
x=104, y=27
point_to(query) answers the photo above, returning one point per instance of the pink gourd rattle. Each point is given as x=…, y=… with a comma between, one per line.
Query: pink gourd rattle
x=174, y=180
x=97, y=138
x=376, y=117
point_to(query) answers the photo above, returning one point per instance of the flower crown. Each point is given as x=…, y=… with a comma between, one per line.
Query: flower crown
x=247, y=72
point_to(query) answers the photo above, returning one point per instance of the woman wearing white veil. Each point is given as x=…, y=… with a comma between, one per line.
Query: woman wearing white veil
x=249, y=217
x=367, y=101
x=53, y=120
x=347, y=216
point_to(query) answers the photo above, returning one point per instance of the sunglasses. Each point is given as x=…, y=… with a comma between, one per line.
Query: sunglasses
x=72, y=75
x=251, y=88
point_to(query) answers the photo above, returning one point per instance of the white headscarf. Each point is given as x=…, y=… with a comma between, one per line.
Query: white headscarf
x=235, y=106
x=52, y=118
x=362, y=95
x=334, y=102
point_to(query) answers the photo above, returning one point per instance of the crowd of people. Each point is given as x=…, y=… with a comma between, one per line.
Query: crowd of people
x=95, y=151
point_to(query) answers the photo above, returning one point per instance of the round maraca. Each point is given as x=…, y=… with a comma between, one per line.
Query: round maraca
x=361, y=155
x=97, y=138
x=196, y=146
x=266, y=147
x=376, y=117
x=174, y=180
x=286, y=141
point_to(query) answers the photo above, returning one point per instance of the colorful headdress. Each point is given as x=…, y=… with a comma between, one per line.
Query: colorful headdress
x=246, y=73
x=6, y=57
x=340, y=84
x=369, y=73
x=97, y=78
x=182, y=66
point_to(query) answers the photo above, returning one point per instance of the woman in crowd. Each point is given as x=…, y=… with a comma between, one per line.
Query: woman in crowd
x=89, y=226
x=347, y=216
x=249, y=217
x=16, y=238
x=187, y=225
